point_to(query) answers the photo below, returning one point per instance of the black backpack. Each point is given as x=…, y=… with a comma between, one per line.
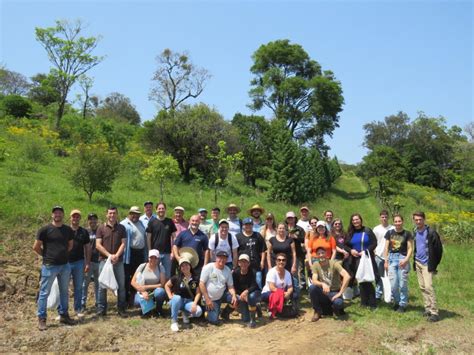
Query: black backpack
x=216, y=240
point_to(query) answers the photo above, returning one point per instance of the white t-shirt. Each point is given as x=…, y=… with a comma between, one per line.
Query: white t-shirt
x=380, y=232
x=304, y=224
x=234, y=226
x=223, y=244
x=272, y=276
x=216, y=280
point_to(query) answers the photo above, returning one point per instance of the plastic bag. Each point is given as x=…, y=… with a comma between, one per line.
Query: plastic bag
x=107, y=277
x=365, y=271
x=387, y=288
x=348, y=293
x=53, y=298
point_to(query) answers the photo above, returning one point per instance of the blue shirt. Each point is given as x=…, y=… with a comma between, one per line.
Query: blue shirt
x=360, y=241
x=145, y=219
x=198, y=242
x=421, y=241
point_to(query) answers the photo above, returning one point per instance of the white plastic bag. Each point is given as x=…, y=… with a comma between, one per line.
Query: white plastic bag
x=348, y=294
x=53, y=298
x=387, y=288
x=107, y=276
x=365, y=271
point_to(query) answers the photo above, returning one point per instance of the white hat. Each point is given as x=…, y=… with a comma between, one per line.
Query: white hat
x=153, y=252
x=244, y=257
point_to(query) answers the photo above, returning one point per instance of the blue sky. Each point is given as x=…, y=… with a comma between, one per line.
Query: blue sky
x=389, y=56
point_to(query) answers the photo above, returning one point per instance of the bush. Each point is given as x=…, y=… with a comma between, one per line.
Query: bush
x=460, y=232
x=16, y=106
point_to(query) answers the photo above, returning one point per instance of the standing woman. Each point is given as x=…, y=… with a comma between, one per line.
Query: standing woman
x=342, y=255
x=320, y=239
x=398, y=250
x=268, y=230
x=281, y=243
x=360, y=239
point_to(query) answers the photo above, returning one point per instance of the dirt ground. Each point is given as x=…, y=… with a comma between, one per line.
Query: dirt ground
x=18, y=330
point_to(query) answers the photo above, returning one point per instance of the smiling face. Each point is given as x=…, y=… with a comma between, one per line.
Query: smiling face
x=161, y=211
x=57, y=216
x=221, y=261
x=328, y=216
x=148, y=209
x=111, y=216
x=75, y=219
x=281, y=230
x=356, y=222
x=232, y=212
x=194, y=222
x=398, y=223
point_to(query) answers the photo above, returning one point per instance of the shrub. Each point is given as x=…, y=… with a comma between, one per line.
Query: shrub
x=460, y=232
x=16, y=106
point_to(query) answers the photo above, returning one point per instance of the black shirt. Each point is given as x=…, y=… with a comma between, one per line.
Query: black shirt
x=253, y=246
x=282, y=247
x=94, y=252
x=179, y=287
x=398, y=241
x=161, y=231
x=244, y=282
x=55, y=243
x=80, y=238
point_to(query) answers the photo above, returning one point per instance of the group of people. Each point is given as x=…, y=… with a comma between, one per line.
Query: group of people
x=217, y=266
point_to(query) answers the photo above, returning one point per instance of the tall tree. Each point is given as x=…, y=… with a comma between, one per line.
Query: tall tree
x=13, y=83
x=86, y=84
x=70, y=54
x=119, y=107
x=392, y=132
x=160, y=167
x=176, y=80
x=293, y=86
x=45, y=89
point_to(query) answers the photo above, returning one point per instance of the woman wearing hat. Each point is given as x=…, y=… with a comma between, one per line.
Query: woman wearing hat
x=149, y=280
x=320, y=239
x=183, y=291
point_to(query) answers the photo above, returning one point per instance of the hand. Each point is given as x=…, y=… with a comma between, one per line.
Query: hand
x=354, y=252
x=87, y=267
x=403, y=262
x=293, y=269
x=386, y=265
x=287, y=295
x=171, y=256
x=234, y=301
x=336, y=296
x=114, y=258
x=141, y=288
x=262, y=266
x=326, y=289
x=193, y=308
x=144, y=295
x=346, y=254
x=209, y=304
x=244, y=296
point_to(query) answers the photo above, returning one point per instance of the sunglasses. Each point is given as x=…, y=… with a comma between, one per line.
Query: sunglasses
x=282, y=260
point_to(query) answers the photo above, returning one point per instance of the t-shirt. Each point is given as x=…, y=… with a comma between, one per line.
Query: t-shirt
x=181, y=226
x=222, y=244
x=94, y=252
x=198, y=242
x=136, y=231
x=235, y=226
x=205, y=227
x=111, y=237
x=272, y=276
x=151, y=277
x=161, y=231
x=422, y=246
x=215, y=225
x=80, y=238
x=330, y=274
x=179, y=287
x=55, y=243
x=268, y=233
x=216, y=280
x=244, y=282
x=380, y=232
x=398, y=241
x=360, y=241
x=257, y=224
x=304, y=224
x=317, y=242
x=253, y=246
x=282, y=247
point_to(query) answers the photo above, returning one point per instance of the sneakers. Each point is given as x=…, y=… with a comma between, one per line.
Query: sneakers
x=395, y=307
x=401, y=309
x=433, y=318
x=65, y=319
x=316, y=317
x=185, y=318
x=122, y=313
x=174, y=327
x=252, y=324
x=42, y=324
x=426, y=313
x=80, y=315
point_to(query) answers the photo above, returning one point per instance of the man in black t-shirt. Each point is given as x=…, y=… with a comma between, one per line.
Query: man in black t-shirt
x=93, y=271
x=79, y=259
x=53, y=243
x=159, y=235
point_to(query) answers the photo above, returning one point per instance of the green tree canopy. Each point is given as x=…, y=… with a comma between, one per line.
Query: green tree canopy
x=118, y=107
x=13, y=83
x=160, y=167
x=45, y=89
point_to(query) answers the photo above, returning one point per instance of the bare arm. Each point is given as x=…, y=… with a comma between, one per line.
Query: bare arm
x=38, y=247
x=293, y=255
x=100, y=248
x=70, y=244
x=148, y=240
x=269, y=256
x=207, y=256
x=176, y=252
x=235, y=257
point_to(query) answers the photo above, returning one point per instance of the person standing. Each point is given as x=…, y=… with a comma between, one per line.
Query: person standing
x=135, y=250
x=235, y=223
x=111, y=239
x=303, y=222
x=53, y=243
x=328, y=217
x=148, y=215
x=79, y=259
x=298, y=234
x=223, y=240
x=93, y=272
x=205, y=226
x=427, y=256
x=255, y=212
x=179, y=222
x=160, y=234
x=380, y=231
x=269, y=228
x=214, y=220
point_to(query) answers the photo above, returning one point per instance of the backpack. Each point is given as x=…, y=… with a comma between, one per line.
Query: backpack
x=229, y=240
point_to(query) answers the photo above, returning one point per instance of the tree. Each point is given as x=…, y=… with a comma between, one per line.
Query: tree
x=293, y=86
x=13, y=83
x=45, y=89
x=119, y=107
x=86, y=84
x=94, y=169
x=177, y=79
x=70, y=54
x=255, y=143
x=392, y=132
x=16, y=105
x=160, y=167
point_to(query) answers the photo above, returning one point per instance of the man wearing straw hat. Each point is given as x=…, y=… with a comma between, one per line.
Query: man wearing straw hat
x=255, y=212
x=235, y=223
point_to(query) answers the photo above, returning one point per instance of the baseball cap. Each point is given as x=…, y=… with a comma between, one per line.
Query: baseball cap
x=222, y=253
x=76, y=211
x=244, y=257
x=247, y=220
x=134, y=209
x=304, y=208
x=92, y=215
x=153, y=252
x=57, y=207
x=290, y=214
x=321, y=223
x=223, y=221
x=202, y=210
x=147, y=203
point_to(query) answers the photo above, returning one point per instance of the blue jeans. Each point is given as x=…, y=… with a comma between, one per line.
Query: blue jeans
x=398, y=278
x=178, y=303
x=259, y=279
x=322, y=303
x=266, y=296
x=253, y=299
x=120, y=277
x=159, y=294
x=166, y=263
x=48, y=274
x=93, y=272
x=213, y=315
x=380, y=263
x=77, y=273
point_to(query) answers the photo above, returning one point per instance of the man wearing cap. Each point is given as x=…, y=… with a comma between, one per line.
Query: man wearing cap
x=214, y=220
x=111, y=239
x=92, y=221
x=303, y=222
x=235, y=223
x=195, y=239
x=160, y=234
x=204, y=226
x=179, y=222
x=217, y=287
x=297, y=234
x=148, y=215
x=223, y=240
x=255, y=212
x=252, y=244
x=79, y=259
x=53, y=243
x=135, y=249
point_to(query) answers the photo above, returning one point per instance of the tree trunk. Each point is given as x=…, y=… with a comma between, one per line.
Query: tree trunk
x=60, y=113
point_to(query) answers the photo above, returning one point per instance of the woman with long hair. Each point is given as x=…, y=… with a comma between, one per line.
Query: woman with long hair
x=268, y=230
x=320, y=239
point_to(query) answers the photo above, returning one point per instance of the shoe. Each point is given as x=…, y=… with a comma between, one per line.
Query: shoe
x=65, y=319
x=401, y=309
x=100, y=314
x=316, y=317
x=259, y=311
x=395, y=307
x=226, y=313
x=122, y=313
x=57, y=318
x=42, y=324
x=252, y=324
x=185, y=318
x=426, y=313
x=174, y=327
x=433, y=318
x=80, y=315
